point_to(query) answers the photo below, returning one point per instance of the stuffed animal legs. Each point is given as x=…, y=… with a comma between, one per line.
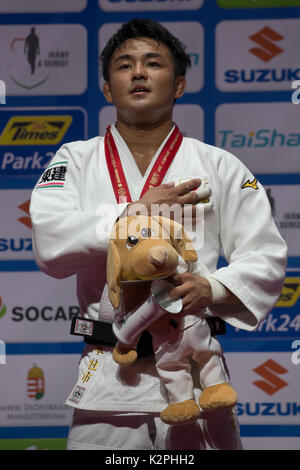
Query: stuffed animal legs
x=172, y=353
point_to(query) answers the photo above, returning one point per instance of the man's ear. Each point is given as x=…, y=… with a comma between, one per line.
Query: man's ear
x=107, y=93
x=180, y=86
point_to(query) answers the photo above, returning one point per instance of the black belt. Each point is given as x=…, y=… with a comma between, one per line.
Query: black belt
x=98, y=332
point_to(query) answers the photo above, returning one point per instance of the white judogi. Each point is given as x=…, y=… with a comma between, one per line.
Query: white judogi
x=71, y=228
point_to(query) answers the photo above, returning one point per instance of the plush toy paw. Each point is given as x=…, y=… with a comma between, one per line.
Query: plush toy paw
x=218, y=396
x=180, y=413
x=124, y=357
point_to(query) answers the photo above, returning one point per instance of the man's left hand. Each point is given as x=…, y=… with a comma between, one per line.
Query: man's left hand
x=194, y=290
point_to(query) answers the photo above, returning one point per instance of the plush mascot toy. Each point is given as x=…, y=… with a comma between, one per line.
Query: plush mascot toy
x=147, y=248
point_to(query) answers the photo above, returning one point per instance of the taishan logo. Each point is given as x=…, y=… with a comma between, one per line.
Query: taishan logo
x=271, y=138
x=35, y=383
x=269, y=371
x=290, y=292
x=264, y=38
x=25, y=220
x=35, y=130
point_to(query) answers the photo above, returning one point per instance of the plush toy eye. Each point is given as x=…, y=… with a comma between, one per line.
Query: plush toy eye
x=146, y=232
x=131, y=240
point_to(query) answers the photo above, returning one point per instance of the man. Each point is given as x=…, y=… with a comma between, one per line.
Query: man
x=144, y=69
x=32, y=48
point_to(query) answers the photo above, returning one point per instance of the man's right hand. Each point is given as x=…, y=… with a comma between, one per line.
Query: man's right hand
x=160, y=199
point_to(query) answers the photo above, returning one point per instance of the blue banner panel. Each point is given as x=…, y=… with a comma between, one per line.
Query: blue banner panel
x=30, y=136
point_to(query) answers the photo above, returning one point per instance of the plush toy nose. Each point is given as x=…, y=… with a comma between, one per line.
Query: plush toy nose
x=158, y=256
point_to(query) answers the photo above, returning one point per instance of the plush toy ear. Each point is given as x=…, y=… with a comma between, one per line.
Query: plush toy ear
x=113, y=272
x=180, y=240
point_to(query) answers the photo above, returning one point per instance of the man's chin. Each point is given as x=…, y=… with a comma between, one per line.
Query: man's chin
x=144, y=113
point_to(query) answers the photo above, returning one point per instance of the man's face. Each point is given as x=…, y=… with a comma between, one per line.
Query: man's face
x=142, y=81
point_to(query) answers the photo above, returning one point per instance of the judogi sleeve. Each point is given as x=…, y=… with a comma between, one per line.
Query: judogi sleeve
x=67, y=238
x=251, y=243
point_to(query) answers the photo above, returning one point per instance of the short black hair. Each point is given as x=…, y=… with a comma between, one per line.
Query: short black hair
x=138, y=28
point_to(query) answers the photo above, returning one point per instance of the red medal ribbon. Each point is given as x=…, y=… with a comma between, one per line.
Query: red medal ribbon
x=157, y=173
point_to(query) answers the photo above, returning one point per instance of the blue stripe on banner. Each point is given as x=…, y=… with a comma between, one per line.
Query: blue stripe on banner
x=26, y=432
x=44, y=432
x=18, y=182
x=44, y=348
x=256, y=344
x=229, y=345
x=276, y=179
x=18, y=265
x=253, y=430
x=293, y=262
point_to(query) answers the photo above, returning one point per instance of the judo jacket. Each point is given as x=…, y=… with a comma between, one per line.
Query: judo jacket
x=73, y=209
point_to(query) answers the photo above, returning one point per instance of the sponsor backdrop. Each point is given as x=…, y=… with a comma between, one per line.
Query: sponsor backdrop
x=243, y=95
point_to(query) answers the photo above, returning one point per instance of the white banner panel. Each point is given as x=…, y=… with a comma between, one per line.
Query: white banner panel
x=268, y=387
x=44, y=59
x=30, y=137
x=284, y=200
x=271, y=443
x=189, y=118
x=36, y=308
x=41, y=6
x=254, y=55
x=190, y=33
x=34, y=389
x=149, y=5
x=265, y=136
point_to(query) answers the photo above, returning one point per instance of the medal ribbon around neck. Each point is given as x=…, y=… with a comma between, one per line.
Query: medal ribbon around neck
x=157, y=173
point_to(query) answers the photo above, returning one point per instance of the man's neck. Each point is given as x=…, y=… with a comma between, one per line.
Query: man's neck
x=143, y=141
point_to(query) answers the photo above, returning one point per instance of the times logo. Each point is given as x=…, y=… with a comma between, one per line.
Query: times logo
x=35, y=130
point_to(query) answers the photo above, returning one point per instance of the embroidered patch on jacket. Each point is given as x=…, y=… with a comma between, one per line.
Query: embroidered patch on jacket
x=77, y=394
x=251, y=184
x=83, y=327
x=54, y=176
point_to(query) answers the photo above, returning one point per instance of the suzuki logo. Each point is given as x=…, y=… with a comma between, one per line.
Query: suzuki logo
x=268, y=49
x=25, y=220
x=269, y=371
